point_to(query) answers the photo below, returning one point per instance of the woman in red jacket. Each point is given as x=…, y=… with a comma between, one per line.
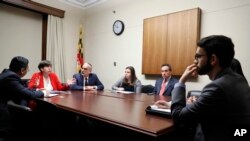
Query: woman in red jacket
x=46, y=79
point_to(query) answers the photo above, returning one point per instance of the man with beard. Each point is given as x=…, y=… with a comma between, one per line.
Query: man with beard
x=223, y=106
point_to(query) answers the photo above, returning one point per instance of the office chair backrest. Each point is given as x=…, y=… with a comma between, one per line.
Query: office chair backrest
x=194, y=93
x=26, y=82
x=13, y=107
x=147, y=88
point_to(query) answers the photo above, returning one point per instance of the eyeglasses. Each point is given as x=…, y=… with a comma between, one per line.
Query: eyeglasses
x=198, y=56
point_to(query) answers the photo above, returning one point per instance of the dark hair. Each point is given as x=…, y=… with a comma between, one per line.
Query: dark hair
x=44, y=63
x=219, y=45
x=236, y=67
x=133, y=75
x=168, y=65
x=17, y=63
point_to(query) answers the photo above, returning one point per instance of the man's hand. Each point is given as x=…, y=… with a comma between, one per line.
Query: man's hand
x=162, y=104
x=88, y=88
x=72, y=81
x=190, y=71
x=191, y=99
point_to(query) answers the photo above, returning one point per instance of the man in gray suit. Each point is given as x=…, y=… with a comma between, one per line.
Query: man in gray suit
x=223, y=106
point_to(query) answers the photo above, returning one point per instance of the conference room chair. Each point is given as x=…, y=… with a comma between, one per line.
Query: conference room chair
x=39, y=122
x=148, y=89
x=196, y=93
x=22, y=121
x=25, y=82
x=195, y=129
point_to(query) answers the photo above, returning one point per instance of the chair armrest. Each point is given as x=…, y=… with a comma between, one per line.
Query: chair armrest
x=14, y=106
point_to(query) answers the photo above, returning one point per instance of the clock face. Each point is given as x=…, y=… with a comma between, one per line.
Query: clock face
x=118, y=27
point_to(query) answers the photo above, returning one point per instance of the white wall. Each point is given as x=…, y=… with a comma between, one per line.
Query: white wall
x=31, y=28
x=20, y=35
x=71, y=24
x=102, y=47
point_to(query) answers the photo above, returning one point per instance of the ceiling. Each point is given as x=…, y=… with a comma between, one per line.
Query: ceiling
x=84, y=4
x=92, y=4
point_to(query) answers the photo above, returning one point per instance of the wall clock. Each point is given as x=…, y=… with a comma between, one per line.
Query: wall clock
x=118, y=27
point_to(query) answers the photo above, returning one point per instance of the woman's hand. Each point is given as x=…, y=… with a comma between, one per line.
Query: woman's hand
x=37, y=81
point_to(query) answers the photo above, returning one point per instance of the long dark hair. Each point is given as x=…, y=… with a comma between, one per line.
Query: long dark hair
x=133, y=76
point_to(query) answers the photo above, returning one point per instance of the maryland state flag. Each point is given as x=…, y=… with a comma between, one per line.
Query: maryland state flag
x=80, y=60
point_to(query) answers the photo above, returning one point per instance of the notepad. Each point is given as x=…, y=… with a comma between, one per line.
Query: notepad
x=153, y=109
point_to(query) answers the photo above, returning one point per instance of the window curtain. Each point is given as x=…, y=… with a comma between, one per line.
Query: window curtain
x=55, y=52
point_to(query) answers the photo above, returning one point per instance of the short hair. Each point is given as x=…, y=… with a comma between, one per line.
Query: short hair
x=89, y=66
x=168, y=65
x=44, y=63
x=219, y=45
x=17, y=63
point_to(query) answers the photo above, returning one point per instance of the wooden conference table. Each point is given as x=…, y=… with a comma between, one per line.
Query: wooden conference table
x=123, y=110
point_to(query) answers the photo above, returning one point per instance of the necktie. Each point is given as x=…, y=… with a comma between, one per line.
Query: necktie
x=86, y=81
x=163, y=86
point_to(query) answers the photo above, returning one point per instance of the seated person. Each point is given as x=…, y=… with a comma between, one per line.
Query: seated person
x=45, y=79
x=165, y=85
x=86, y=79
x=129, y=82
x=13, y=89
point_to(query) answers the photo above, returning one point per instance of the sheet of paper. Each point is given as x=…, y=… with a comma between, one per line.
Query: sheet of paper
x=50, y=95
x=125, y=92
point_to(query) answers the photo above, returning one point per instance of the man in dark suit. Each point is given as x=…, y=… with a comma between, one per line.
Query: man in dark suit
x=223, y=106
x=86, y=79
x=165, y=85
x=12, y=88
